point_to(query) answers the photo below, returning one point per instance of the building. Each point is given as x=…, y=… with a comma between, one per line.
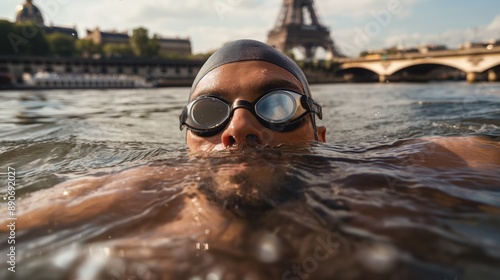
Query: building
x=171, y=46
x=109, y=37
x=28, y=12
x=64, y=30
x=168, y=46
x=431, y=48
x=481, y=45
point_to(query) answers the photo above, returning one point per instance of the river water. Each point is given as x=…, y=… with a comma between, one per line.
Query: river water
x=356, y=207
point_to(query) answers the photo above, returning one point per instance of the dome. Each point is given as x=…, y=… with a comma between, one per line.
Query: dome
x=29, y=12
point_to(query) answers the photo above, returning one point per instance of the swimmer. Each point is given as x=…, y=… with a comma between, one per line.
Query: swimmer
x=247, y=97
x=232, y=107
x=248, y=94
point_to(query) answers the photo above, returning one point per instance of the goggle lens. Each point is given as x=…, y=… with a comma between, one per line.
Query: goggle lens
x=276, y=107
x=209, y=112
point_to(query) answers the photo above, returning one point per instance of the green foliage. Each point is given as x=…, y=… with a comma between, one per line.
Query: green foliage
x=61, y=44
x=142, y=45
x=153, y=46
x=23, y=38
x=87, y=47
x=139, y=41
x=363, y=53
x=6, y=28
x=117, y=50
x=291, y=55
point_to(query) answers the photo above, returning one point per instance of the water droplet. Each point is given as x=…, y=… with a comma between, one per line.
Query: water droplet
x=216, y=274
x=268, y=248
x=378, y=257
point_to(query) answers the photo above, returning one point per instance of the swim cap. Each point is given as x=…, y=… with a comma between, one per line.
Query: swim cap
x=244, y=50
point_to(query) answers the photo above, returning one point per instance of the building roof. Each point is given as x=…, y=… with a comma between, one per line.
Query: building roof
x=114, y=35
x=64, y=30
x=29, y=12
x=173, y=40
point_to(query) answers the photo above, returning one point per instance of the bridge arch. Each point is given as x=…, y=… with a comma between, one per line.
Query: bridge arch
x=495, y=68
x=436, y=62
x=357, y=74
x=423, y=72
x=367, y=67
x=474, y=64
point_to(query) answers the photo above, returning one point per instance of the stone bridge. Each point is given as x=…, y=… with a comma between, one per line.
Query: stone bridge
x=475, y=63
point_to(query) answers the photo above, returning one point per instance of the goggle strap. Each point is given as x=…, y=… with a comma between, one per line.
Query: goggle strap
x=183, y=118
x=311, y=106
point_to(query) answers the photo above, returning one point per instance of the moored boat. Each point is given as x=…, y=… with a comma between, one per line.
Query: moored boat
x=54, y=80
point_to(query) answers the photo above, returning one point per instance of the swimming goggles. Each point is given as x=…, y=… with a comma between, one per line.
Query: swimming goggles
x=279, y=110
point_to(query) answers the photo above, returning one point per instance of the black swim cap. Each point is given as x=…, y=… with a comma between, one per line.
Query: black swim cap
x=245, y=50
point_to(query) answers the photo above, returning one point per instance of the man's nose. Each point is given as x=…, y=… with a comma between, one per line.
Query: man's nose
x=245, y=130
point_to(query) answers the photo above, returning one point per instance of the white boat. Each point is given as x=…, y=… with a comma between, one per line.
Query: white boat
x=54, y=80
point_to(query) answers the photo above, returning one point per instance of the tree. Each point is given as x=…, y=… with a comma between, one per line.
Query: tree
x=363, y=53
x=119, y=50
x=139, y=41
x=142, y=45
x=87, y=47
x=25, y=38
x=201, y=56
x=61, y=44
x=154, y=46
x=6, y=31
x=290, y=54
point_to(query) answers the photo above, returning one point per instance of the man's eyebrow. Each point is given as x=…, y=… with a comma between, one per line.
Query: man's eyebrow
x=262, y=88
x=219, y=93
x=278, y=84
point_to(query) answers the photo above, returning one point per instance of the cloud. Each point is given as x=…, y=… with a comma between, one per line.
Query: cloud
x=453, y=38
x=222, y=21
x=207, y=41
x=244, y=19
x=362, y=9
x=494, y=25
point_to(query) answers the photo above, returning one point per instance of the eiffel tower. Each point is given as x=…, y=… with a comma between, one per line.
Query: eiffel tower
x=298, y=25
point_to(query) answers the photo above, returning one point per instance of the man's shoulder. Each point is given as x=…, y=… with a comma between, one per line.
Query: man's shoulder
x=474, y=151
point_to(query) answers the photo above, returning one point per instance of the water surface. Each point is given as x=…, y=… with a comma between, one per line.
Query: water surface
x=360, y=206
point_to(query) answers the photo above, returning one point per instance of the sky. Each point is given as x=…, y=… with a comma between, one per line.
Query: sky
x=355, y=25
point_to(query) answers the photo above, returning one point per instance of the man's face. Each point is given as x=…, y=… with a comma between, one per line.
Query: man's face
x=248, y=80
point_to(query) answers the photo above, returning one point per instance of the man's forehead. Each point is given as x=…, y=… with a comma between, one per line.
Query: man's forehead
x=255, y=76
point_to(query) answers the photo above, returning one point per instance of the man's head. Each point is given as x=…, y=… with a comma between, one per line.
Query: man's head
x=249, y=94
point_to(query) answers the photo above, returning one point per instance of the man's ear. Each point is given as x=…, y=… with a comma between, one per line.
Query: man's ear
x=321, y=130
